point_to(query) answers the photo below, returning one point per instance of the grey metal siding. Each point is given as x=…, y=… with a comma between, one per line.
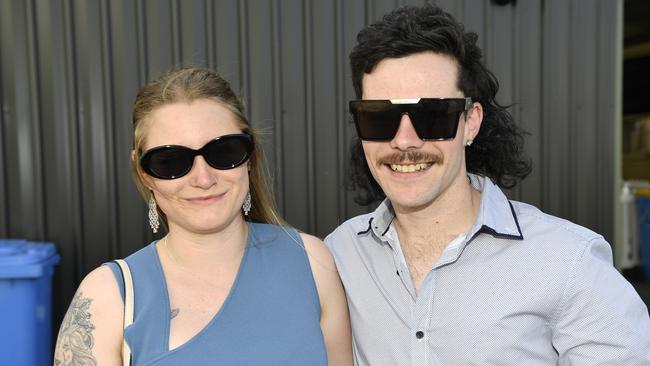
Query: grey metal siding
x=69, y=70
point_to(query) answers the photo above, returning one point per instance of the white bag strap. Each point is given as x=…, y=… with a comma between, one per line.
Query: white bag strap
x=128, y=307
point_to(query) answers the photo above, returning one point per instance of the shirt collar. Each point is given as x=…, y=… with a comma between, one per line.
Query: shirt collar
x=496, y=214
x=380, y=220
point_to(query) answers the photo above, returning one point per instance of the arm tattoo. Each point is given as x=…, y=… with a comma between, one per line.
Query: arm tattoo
x=174, y=313
x=75, y=342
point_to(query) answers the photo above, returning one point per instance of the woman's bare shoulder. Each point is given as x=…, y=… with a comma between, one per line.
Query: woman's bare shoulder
x=91, y=331
x=319, y=254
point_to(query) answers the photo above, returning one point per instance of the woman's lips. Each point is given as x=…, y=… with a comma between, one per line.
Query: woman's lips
x=205, y=199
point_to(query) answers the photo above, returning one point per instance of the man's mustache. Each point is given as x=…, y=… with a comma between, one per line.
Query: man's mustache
x=410, y=157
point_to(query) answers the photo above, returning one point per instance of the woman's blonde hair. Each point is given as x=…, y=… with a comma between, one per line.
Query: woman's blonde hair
x=187, y=85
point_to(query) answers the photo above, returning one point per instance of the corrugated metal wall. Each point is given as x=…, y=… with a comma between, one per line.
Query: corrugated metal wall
x=69, y=70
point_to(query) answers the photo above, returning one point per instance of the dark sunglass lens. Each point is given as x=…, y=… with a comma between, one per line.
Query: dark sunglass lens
x=228, y=152
x=170, y=162
x=436, y=126
x=377, y=121
x=435, y=119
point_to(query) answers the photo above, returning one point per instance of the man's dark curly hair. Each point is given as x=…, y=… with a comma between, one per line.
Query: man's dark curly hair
x=497, y=151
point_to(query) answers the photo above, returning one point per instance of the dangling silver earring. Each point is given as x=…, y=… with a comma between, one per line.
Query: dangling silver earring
x=154, y=222
x=469, y=143
x=247, y=204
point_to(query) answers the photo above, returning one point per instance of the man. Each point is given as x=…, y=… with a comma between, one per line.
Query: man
x=447, y=270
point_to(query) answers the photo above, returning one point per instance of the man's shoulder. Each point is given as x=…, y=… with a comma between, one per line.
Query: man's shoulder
x=538, y=225
x=346, y=233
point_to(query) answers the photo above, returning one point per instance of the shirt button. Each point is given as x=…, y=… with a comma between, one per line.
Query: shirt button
x=419, y=334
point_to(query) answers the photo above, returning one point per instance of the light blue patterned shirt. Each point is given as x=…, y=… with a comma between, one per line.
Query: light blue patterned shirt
x=521, y=288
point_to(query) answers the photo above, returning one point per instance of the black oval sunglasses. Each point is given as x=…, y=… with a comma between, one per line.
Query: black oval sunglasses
x=174, y=161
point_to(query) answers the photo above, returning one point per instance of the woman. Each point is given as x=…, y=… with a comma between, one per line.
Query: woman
x=229, y=284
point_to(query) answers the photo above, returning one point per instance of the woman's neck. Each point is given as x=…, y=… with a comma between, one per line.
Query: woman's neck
x=200, y=252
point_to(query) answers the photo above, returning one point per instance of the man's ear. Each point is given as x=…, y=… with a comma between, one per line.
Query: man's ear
x=473, y=121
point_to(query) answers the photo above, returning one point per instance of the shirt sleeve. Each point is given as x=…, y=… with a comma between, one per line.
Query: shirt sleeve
x=601, y=320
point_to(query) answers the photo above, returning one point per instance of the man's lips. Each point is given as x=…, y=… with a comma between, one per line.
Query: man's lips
x=409, y=167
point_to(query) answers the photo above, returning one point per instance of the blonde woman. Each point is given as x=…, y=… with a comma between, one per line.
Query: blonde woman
x=230, y=283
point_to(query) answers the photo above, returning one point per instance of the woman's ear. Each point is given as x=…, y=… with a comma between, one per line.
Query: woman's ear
x=145, y=178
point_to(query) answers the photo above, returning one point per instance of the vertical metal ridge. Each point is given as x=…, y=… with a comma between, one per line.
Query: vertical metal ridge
x=37, y=218
x=86, y=132
x=4, y=114
x=607, y=153
x=74, y=151
x=600, y=192
x=110, y=128
x=516, y=92
x=309, y=113
x=617, y=110
x=532, y=188
x=569, y=195
x=210, y=39
x=487, y=40
x=177, y=51
x=370, y=11
x=141, y=24
x=276, y=80
x=143, y=54
x=339, y=102
x=544, y=115
x=598, y=62
x=4, y=209
x=541, y=101
x=244, y=64
x=460, y=11
x=610, y=135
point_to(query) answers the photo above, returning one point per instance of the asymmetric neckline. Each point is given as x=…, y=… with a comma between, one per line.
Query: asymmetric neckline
x=167, y=300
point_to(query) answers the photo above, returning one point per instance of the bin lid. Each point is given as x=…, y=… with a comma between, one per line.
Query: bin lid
x=21, y=258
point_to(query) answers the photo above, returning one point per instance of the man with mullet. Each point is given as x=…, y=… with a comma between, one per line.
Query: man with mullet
x=447, y=270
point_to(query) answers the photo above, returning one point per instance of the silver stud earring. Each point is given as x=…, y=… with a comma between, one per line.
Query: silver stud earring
x=247, y=204
x=154, y=222
x=469, y=143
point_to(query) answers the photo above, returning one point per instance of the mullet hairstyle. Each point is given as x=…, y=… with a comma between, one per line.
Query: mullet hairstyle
x=497, y=150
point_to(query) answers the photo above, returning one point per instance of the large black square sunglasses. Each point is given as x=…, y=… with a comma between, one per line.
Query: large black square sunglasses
x=432, y=118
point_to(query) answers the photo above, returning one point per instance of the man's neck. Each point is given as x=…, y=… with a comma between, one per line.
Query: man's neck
x=452, y=213
x=425, y=233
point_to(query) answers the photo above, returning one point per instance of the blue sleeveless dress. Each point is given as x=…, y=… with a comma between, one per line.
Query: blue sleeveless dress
x=270, y=317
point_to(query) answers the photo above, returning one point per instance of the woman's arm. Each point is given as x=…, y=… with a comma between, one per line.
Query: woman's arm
x=91, y=331
x=335, y=320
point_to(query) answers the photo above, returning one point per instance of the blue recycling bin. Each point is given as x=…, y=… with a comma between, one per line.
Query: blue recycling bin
x=643, y=207
x=26, y=270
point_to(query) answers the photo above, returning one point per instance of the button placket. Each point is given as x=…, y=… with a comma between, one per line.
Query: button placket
x=422, y=319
